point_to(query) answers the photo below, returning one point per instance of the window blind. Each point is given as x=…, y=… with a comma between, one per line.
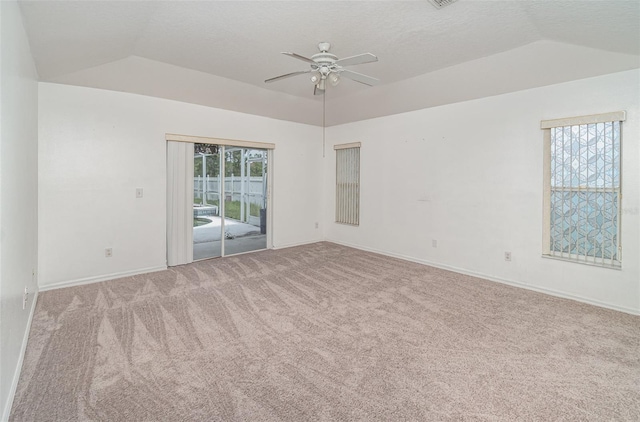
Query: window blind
x=348, y=184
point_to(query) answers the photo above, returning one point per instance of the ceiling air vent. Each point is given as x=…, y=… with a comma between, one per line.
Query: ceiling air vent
x=439, y=4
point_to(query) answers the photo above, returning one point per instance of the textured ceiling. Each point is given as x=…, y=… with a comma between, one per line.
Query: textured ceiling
x=85, y=42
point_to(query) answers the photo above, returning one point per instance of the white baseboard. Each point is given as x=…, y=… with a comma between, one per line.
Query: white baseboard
x=23, y=349
x=306, y=242
x=551, y=292
x=96, y=279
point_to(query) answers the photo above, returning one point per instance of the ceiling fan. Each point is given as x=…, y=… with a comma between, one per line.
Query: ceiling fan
x=325, y=65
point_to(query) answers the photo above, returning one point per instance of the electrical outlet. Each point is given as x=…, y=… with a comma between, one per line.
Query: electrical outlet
x=139, y=193
x=25, y=297
x=434, y=243
x=108, y=252
x=507, y=256
x=317, y=225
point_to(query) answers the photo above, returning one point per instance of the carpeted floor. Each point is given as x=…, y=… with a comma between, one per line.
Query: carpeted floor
x=323, y=332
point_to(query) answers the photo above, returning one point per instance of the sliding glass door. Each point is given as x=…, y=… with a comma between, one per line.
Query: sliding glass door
x=229, y=200
x=207, y=224
x=245, y=203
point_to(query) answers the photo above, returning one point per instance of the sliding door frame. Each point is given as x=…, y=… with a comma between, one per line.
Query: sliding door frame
x=268, y=147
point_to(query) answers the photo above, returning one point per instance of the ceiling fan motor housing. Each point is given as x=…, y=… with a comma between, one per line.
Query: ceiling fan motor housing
x=325, y=62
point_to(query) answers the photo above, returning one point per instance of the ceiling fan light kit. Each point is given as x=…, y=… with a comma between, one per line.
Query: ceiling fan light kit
x=325, y=65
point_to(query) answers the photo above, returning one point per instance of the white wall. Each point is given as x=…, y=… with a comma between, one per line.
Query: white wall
x=470, y=176
x=96, y=147
x=18, y=195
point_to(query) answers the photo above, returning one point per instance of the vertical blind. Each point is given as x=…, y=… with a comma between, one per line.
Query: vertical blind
x=348, y=183
x=584, y=192
x=179, y=203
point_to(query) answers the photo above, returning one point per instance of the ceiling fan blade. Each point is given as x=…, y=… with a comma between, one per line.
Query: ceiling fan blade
x=359, y=59
x=299, y=57
x=359, y=77
x=288, y=75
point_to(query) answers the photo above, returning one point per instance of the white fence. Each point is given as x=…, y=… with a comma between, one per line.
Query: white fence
x=247, y=190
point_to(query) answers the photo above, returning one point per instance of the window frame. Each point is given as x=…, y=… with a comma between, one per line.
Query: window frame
x=547, y=126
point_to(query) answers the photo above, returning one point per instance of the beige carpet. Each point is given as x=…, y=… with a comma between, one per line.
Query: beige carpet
x=324, y=332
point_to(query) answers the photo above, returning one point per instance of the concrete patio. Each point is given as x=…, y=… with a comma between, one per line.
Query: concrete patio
x=239, y=237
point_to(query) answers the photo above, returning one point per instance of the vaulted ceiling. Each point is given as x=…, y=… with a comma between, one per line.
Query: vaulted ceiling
x=218, y=53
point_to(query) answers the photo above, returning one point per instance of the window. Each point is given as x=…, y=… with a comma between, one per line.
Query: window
x=348, y=183
x=583, y=189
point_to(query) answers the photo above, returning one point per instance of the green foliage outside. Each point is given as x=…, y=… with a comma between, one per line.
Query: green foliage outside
x=232, y=163
x=232, y=208
x=199, y=221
